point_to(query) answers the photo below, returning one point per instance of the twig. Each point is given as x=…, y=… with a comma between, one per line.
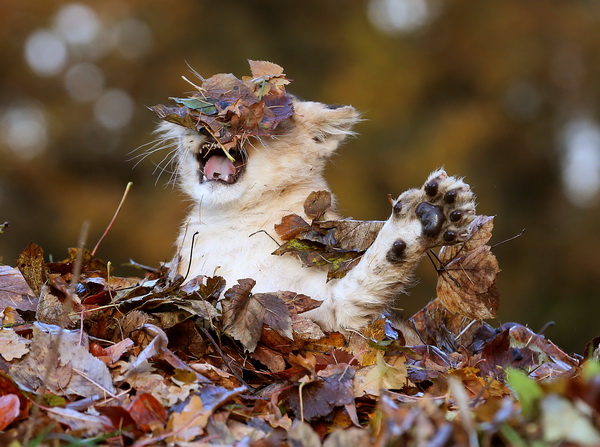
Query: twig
x=127, y=188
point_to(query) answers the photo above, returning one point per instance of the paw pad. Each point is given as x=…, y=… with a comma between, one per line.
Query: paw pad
x=450, y=196
x=396, y=253
x=456, y=215
x=432, y=218
x=431, y=188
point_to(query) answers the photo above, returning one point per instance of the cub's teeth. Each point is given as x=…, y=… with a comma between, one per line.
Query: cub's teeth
x=204, y=178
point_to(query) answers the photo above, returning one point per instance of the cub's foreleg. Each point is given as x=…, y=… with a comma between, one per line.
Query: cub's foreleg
x=436, y=214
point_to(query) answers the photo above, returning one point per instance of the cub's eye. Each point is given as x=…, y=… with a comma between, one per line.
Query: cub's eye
x=204, y=132
x=317, y=139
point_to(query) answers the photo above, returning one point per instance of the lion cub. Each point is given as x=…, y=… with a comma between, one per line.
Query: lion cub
x=235, y=205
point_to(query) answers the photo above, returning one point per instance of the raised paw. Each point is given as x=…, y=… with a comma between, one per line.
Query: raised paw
x=444, y=206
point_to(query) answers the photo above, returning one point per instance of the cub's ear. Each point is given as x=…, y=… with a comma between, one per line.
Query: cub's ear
x=326, y=123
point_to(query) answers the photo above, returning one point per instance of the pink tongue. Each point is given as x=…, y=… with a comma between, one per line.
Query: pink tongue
x=218, y=167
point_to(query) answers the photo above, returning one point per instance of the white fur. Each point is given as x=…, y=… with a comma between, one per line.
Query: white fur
x=229, y=230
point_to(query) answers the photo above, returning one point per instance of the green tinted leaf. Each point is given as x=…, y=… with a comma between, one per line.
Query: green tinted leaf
x=528, y=391
x=205, y=107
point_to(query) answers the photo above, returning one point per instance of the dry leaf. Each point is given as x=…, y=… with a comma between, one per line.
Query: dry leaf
x=12, y=346
x=467, y=275
x=82, y=423
x=31, y=264
x=384, y=375
x=232, y=109
x=9, y=409
x=14, y=290
x=75, y=371
x=244, y=314
x=148, y=413
x=316, y=204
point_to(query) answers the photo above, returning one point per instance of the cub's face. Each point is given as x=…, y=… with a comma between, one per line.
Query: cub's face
x=294, y=154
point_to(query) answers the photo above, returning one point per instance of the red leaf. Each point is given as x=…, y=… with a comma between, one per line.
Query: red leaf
x=9, y=409
x=147, y=412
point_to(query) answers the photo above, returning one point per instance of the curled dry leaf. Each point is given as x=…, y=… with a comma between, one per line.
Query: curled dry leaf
x=316, y=204
x=244, y=314
x=467, y=274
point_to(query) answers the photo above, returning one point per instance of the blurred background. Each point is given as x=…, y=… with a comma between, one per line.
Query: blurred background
x=506, y=93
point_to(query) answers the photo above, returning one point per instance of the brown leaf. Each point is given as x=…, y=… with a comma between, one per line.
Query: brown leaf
x=31, y=264
x=306, y=329
x=298, y=303
x=467, y=275
x=75, y=370
x=316, y=204
x=318, y=398
x=265, y=68
x=291, y=226
x=244, y=314
x=271, y=359
x=350, y=234
x=14, y=290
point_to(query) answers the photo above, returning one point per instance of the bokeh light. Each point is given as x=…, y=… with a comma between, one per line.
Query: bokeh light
x=46, y=53
x=398, y=15
x=581, y=163
x=133, y=38
x=23, y=128
x=84, y=82
x=77, y=23
x=114, y=109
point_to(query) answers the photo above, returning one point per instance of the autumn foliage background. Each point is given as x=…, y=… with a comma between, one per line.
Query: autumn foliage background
x=503, y=92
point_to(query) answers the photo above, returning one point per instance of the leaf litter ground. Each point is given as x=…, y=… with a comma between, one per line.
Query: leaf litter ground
x=155, y=361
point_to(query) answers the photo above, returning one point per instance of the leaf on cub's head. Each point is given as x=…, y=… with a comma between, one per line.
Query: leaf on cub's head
x=316, y=204
x=467, y=274
x=233, y=109
x=244, y=314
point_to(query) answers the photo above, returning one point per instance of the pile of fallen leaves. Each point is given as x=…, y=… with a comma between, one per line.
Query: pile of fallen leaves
x=87, y=358
x=232, y=109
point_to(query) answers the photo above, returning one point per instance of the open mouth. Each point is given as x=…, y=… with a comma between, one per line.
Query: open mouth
x=215, y=166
